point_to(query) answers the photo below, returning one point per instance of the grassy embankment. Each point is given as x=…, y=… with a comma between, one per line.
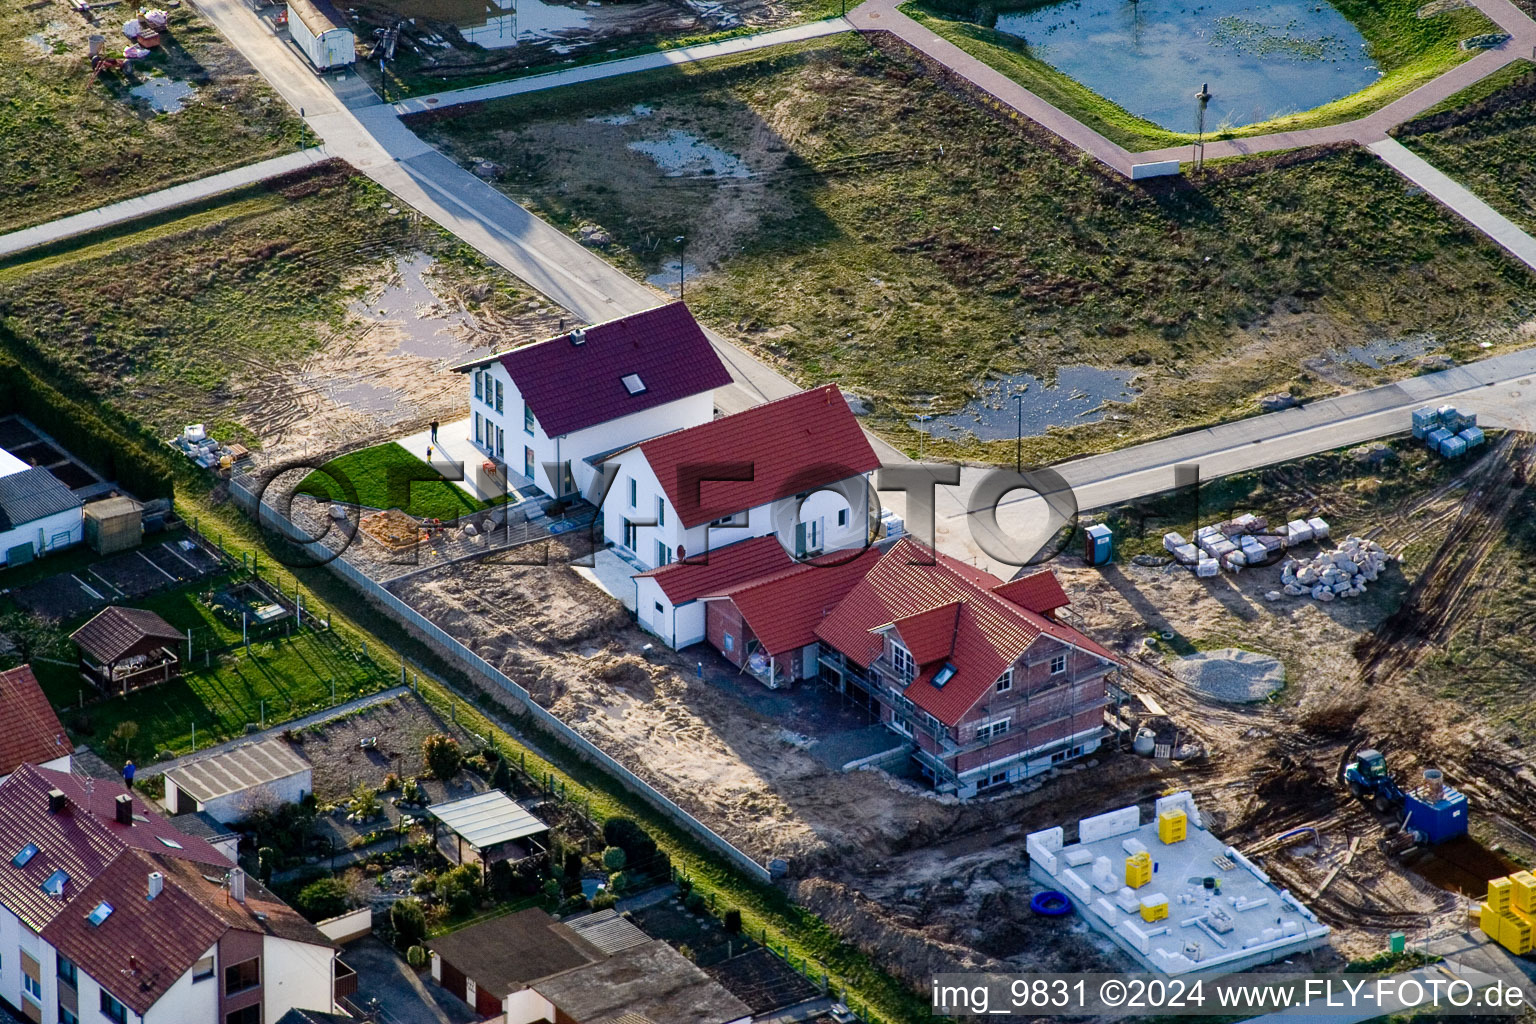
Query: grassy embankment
x=1408, y=49
x=1486, y=143
x=893, y=237
x=378, y=477
x=73, y=142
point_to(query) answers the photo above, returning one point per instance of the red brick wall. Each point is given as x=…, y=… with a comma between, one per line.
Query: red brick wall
x=720, y=618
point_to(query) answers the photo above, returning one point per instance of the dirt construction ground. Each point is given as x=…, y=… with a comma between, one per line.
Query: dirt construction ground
x=928, y=883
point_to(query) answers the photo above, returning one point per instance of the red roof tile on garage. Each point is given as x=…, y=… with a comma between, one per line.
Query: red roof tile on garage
x=758, y=456
x=571, y=387
x=30, y=731
x=783, y=609
x=923, y=592
x=720, y=569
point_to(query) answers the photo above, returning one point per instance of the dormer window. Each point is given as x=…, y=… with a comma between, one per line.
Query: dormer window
x=633, y=384
x=901, y=660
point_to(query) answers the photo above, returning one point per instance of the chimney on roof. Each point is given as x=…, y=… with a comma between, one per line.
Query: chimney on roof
x=578, y=336
x=58, y=803
x=156, y=884
x=237, y=885
x=123, y=808
x=133, y=964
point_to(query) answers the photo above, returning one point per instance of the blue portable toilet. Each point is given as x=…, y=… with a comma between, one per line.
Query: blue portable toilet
x=1098, y=544
x=1424, y=420
x=1473, y=436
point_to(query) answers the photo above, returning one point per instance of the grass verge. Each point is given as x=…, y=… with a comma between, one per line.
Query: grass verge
x=1409, y=50
x=388, y=476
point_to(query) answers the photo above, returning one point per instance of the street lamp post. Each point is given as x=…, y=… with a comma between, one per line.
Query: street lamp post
x=682, y=263
x=1018, y=450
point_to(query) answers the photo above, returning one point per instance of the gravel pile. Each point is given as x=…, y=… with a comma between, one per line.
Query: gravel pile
x=1231, y=675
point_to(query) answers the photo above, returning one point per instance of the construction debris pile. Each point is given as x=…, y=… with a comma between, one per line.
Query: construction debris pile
x=1241, y=542
x=1343, y=572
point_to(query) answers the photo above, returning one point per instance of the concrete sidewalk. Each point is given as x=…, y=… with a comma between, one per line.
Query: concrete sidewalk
x=626, y=66
x=1460, y=200
x=155, y=202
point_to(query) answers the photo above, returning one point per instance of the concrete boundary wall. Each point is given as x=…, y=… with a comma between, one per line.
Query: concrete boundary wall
x=270, y=517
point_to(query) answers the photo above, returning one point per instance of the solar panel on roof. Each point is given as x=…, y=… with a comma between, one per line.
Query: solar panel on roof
x=101, y=913
x=54, y=886
x=25, y=854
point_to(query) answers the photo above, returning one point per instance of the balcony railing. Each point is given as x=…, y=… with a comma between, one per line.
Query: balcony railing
x=346, y=981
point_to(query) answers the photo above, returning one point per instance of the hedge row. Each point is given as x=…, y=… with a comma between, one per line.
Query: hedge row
x=115, y=450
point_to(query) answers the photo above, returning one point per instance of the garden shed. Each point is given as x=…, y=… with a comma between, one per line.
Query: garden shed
x=228, y=786
x=487, y=829
x=123, y=649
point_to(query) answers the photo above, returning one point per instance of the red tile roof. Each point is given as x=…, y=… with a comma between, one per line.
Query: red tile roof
x=108, y=862
x=571, y=387
x=781, y=448
x=910, y=587
x=784, y=608
x=29, y=730
x=1040, y=592
x=720, y=569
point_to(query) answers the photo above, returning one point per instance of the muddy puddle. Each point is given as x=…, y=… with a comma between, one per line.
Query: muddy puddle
x=1080, y=394
x=1385, y=352
x=164, y=95
x=681, y=153
x=670, y=278
x=51, y=39
x=429, y=328
x=638, y=111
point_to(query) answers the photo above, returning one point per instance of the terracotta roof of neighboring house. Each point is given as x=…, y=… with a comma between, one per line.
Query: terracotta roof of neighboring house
x=31, y=495
x=163, y=937
x=713, y=571
x=105, y=865
x=784, y=608
x=623, y=366
x=945, y=611
x=115, y=630
x=652, y=980
x=504, y=954
x=771, y=451
x=30, y=731
x=1040, y=592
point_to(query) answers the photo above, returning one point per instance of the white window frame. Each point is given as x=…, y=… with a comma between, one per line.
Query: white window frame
x=991, y=729
x=633, y=492
x=902, y=662
x=1058, y=664
x=478, y=389
x=900, y=726
x=661, y=511
x=1004, y=681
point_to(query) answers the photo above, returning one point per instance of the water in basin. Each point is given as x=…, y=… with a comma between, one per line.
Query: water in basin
x=1080, y=395
x=1152, y=56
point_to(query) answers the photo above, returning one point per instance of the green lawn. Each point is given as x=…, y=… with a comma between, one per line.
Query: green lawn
x=380, y=477
x=1409, y=49
x=73, y=142
x=1487, y=146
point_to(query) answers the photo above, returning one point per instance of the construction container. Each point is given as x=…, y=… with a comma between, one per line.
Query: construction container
x=113, y=525
x=1098, y=544
x=1154, y=907
x=1453, y=447
x=1473, y=436
x=1138, y=869
x=1172, y=826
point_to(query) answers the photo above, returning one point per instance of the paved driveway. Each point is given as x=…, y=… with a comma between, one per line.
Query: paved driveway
x=403, y=997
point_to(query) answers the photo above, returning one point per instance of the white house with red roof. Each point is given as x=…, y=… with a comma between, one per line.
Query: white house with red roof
x=108, y=913
x=984, y=678
x=796, y=468
x=549, y=410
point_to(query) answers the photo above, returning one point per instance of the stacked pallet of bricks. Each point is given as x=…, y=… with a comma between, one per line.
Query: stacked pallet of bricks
x=1343, y=572
x=1240, y=543
x=1446, y=431
x=1508, y=914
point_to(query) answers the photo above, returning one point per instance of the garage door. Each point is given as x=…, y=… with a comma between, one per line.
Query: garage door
x=453, y=979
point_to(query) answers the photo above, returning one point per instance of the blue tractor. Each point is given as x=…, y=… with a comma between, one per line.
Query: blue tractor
x=1432, y=814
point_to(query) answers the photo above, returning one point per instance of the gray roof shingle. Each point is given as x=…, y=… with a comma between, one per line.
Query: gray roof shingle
x=31, y=495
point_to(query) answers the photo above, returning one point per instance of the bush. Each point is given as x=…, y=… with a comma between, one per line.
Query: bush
x=694, y=903
x=685, y=886
x=463, y=879
x=423, y=884
x=416, y=956
x=391, y=783
x=442, y=755
x=269, y=859
x=321, y=899
x=571, y=871
x=410, y=923
x=123, y=736
x=501, y=777
x=614, y=859
x=638, y=846
x=604, y=900
x=365, y=803
x=461, y=903
x=733, y=920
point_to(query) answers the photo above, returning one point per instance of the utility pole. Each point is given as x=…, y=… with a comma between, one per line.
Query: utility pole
x=1204, y=97
x=1018, y=450
x=682, y=263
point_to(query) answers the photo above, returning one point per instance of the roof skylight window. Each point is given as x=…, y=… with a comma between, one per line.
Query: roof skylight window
x=24, y=855
x=54, y=886
x=633, y=384
x=101, y=913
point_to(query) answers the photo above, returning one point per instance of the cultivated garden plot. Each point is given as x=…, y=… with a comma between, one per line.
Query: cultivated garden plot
x=308, y=314
x=74, y=141
x=846, y=218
